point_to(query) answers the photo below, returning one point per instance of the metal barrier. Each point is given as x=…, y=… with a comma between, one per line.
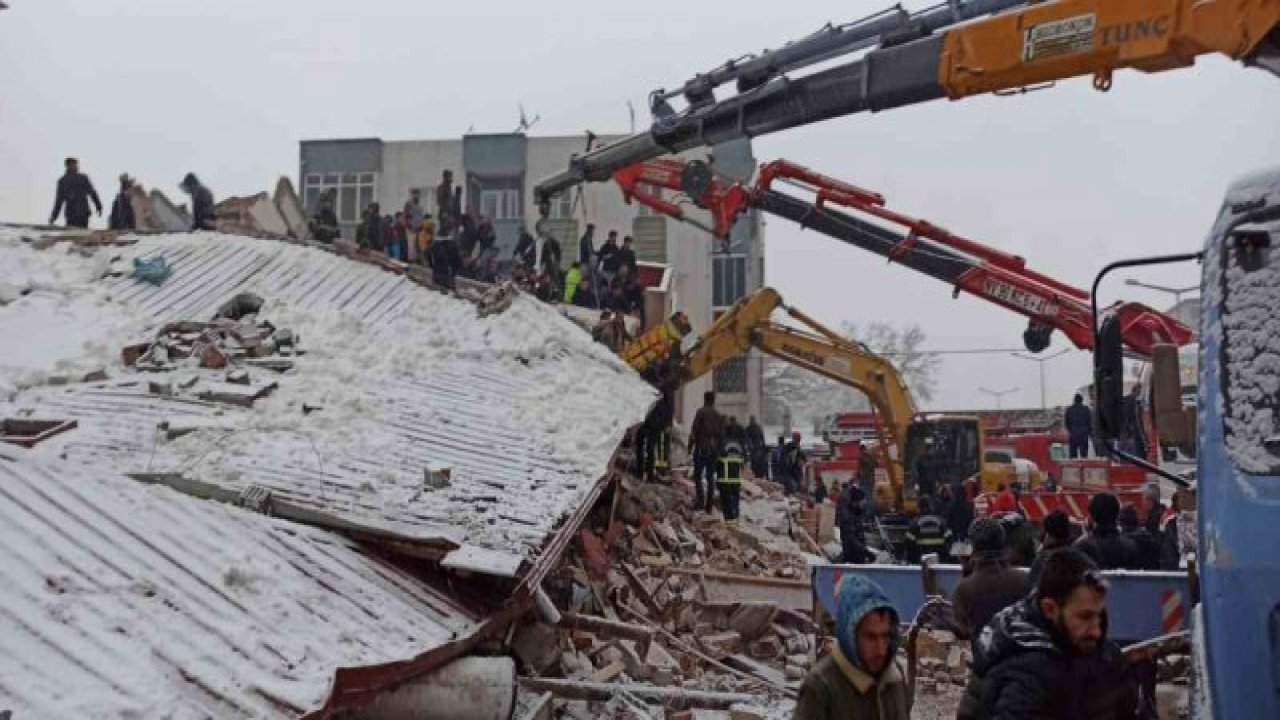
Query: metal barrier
x=1140, y=605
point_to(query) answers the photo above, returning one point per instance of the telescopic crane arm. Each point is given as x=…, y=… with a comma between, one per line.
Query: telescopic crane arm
x=1015, y=50
x=859, y=217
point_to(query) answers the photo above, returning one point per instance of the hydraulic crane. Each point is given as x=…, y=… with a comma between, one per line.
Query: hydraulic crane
x=860, y=218
x=954, y=444
x=1024, y=48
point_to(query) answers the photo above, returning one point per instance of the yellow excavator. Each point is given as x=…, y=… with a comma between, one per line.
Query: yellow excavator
x=920, y=452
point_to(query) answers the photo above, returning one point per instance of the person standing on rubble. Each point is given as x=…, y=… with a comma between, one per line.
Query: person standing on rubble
x=203, y=215
x=550, y=257
x=324, y=225
x=862, y=678
x=850, y=512
x=652, y=435
x=74, y=193
x=1104, y=544
x=756, y=448
x=927, y=533
x=1048, y=656
x=445, y=219
x=867, y=475
x=729, y=479
x=706, y=436
x=122, y=217
x=1079, y=424
x=608, y=258
x=425, y=237
x=446, y=262
x=991, y=585
x=627, y=258
x=792, y=466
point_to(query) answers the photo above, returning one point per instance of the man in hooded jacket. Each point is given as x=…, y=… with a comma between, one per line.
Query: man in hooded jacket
x=862, y=678
x=1047, y=657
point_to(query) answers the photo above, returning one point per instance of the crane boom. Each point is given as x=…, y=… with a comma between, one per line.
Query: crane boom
x=1022, y=48
x=859, y=217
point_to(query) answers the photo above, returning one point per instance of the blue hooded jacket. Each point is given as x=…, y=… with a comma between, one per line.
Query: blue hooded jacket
x=858, y=596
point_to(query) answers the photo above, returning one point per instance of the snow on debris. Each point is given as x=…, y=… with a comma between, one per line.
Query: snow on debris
x=127, y=601
x=521, y=406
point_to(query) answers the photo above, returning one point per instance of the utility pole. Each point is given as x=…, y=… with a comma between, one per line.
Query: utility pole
x=1042, y=360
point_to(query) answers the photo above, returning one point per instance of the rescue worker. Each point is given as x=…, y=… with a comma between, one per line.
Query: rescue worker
x=729, y=479
x=862, y=677
x=324, y=225
x=1079, y=424
x=652, y=433
x=927, y=533
x=122, y=216
x=849, y=518
x=1104, y=544
x=775, y=459
x=706, y=435
x=74, y=192
x=203, y=215
x=1148, y=554
x=1048, y=657
x=958, y=512
x=792, y=466
x=1055, y=534
x=572, y=280
x=991, y=585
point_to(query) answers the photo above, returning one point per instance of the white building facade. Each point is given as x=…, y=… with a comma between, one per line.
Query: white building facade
x=498, y=173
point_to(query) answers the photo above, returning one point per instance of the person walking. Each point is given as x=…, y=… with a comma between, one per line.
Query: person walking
x=122, y=216
x=991, y=585
x=862, y=678
x=1048, y=657
x=706, y=436
x=73, y=194
x=1079, y=424
x=203, y=215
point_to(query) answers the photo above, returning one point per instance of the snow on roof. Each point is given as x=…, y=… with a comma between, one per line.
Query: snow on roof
x=123, y=600
x=521, y=406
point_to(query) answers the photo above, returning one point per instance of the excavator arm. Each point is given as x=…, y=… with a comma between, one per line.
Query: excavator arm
x=859, y=217
x=1005, y=53
x=813, y=347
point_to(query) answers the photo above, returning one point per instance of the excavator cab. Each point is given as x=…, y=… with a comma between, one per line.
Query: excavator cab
x=940, y=451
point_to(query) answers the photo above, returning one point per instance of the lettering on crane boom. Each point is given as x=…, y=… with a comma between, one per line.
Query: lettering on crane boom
x=1137, y=30
x=835, y=364
x=1019, y=298
x=1067, y=36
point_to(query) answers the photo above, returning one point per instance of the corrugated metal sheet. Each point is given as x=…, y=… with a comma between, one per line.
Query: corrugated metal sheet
x=511, y=486
x=122, y=600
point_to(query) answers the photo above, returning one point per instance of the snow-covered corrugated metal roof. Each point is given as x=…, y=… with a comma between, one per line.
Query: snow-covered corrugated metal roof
x=123, y=600
x=522, y=406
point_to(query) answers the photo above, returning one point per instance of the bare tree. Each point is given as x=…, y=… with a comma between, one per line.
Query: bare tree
x=904, y=348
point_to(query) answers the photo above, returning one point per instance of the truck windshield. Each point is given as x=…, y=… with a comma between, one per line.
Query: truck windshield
x=1251, y=356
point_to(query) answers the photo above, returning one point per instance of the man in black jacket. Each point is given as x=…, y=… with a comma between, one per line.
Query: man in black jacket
x=1104, y=544
x=1148, y=555
x=991, y=585
x=74, y=193
x=1079, y=422
x=203, y=216
x=446, y=261
x=1047, y=657
x=122, y=216
x=627, y=258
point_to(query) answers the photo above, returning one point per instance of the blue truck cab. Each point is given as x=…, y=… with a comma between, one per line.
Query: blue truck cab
x=1238, y=456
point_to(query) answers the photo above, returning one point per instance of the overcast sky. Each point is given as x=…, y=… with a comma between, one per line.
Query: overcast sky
x=1068, y=177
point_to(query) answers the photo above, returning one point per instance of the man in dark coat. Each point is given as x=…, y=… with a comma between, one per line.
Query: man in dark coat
x=1104, y=544
x=122, y=216
x=992, y=584
x=526, y=252
x=324, y=226
x=1055, y=534
x=706, y=437
x=1047, y=657
x=756, y=447
x=445, y=261
x=74, y=193
x=1079, y=423
x=1148, y=555
x=627, y=258
x=850, y=511
x=203, y=216
x=550, y=257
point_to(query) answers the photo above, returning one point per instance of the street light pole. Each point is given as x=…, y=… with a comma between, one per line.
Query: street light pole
x=1042, y=360
x=998, y=395
x=1175, y=292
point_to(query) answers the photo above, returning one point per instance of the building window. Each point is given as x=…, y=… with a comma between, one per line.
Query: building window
x=562, y=206
x=728, y=280
x=501, y=204
x=354, y=193
x=730, y=377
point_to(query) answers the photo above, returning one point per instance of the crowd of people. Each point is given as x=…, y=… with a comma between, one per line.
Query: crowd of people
x=75, y=191
x=455, y=243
